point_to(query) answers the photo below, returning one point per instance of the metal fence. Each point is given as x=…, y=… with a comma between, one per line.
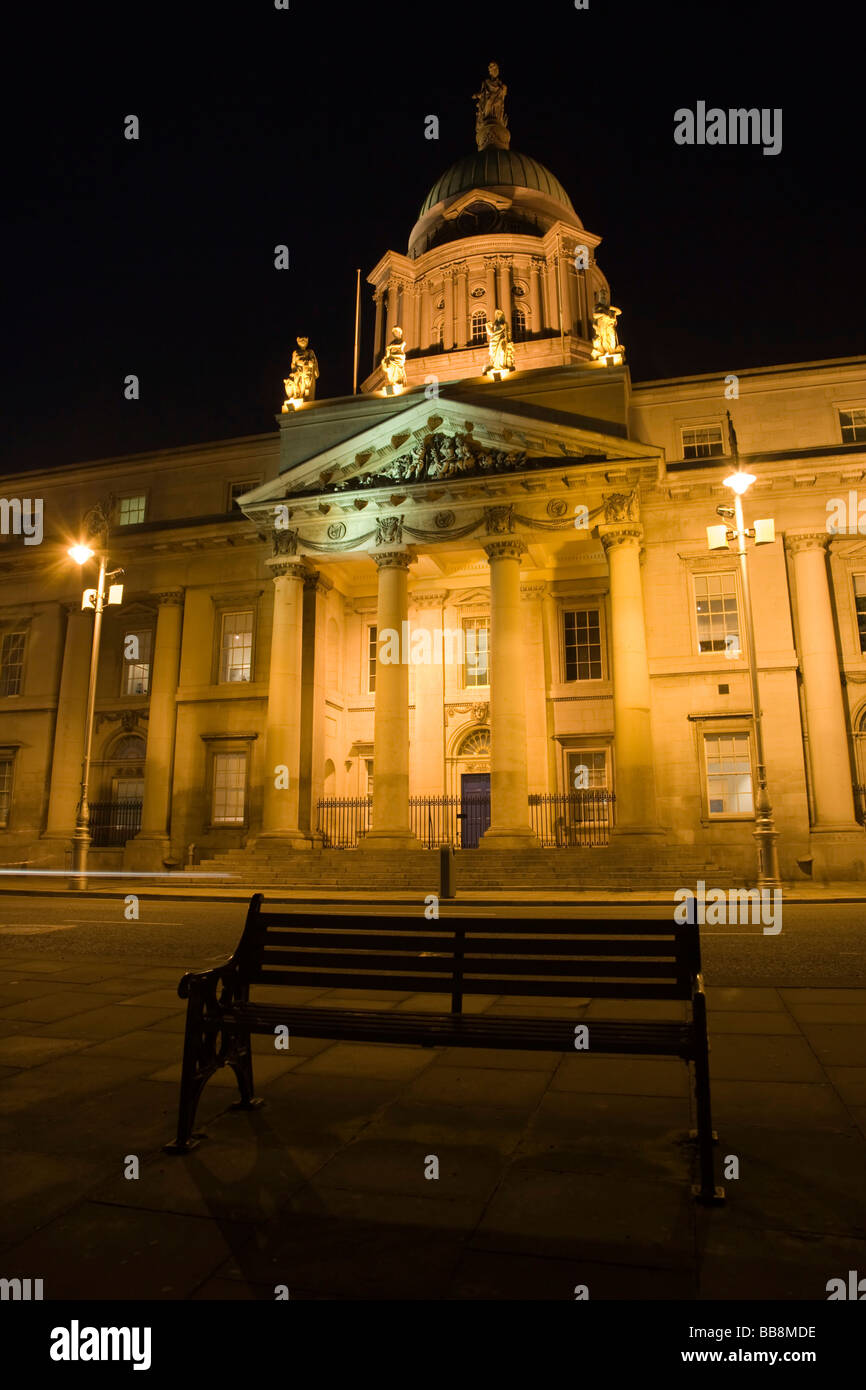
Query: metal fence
x=560, y=820
x=564, y=820
x=114, y=822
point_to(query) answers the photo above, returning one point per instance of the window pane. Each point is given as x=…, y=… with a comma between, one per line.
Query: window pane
x=729, y=774
x=702, y=441
x=476, y=633
x=372, y=644
x=229, y=787
x=716, y=613
x=853, y=424
x=582, y=630
x=137, y=671
x=860, y=606
x=130, y=511
x=5, y=789
x=237, y=646
x=11, y=663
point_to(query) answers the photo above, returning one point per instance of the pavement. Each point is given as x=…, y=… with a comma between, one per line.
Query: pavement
x=553, y=1171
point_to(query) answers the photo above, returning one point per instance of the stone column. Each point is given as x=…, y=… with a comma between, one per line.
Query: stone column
x=552, y=294
x=377, y=336
x=407, y=310
x=838, y=842
x=68, y=751
x=391, y=317
x=509, y=786
x=461, y=327
x=504, y=268
x=424, y=315
x=152, y=845
x=539, y=740
x=281, y=772
x=390, y=824
x=448, y=331
x=313, y=677
x=490, y=301
x=635, y=804
x=428, y=747
x=536, y=316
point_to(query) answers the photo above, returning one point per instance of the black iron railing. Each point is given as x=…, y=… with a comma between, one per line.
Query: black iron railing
x=564, y=820
x=560, y=820
x=114, y=822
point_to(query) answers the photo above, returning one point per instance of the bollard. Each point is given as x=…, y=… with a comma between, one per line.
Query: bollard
x=446, y=871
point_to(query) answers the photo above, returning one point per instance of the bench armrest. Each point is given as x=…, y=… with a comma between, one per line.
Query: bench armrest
x=205, y=983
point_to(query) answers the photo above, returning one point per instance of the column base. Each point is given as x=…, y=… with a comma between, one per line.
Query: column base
x=838, y=852
x=147, y=853
x=390, y=839
x=284, y=839
x=509, y=837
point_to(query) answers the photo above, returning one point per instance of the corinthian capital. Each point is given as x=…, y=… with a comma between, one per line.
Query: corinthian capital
x=392, y=559
x=511, y=549
x=807, y=540
x=620, y=533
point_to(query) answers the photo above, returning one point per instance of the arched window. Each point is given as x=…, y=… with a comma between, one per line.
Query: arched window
x=518, y=323
x=475, y=745
x=439, y=333
x=128, y=749
x=479, y=326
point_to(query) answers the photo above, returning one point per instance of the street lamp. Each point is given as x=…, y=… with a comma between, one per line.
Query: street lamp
x=718, y=537
x=95, y=599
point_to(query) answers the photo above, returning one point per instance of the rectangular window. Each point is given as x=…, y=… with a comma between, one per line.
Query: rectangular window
x=582, y=645
x=11, y=663
x=368, y=763
x=476, y=634
x=236, y=646
x=702, y=442
x=136, y=661
x=6, y=765
x=729, y=774
x=372, y=633
x=130, y=510
x=853, y=424
x=860, y=606
x=717, y=613
x=587, y=769
x=229, y=788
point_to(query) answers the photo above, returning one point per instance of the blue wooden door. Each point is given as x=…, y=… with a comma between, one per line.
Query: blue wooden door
x=474, y=807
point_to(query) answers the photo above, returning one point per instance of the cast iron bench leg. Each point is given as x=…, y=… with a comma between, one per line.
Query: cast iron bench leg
x=198, y=1066
x=240, y=1059
x=707, y=1191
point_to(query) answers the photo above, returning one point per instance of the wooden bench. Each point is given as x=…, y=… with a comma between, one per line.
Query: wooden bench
x=598, y=958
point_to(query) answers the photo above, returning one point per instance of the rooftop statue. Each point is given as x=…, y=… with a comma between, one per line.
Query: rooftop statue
x=605, y=343
x=491, y=122
x=394, y=361
x=300, y=384
x=501, y=348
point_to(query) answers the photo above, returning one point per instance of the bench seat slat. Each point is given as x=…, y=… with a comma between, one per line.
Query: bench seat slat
x=494, y=945
x=438, y=964
x=547, y=926
x=443, y=984
x=473, y=1030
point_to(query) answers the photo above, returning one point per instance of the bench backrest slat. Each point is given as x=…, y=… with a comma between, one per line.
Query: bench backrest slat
x=441, y=984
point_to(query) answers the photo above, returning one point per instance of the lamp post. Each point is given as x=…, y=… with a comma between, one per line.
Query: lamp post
x=718, y=538
x=95, y=599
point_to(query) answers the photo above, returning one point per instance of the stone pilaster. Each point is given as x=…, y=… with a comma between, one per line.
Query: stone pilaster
x=280, y=810
x=313, y=679
x=536, y=312
x=503, y=264
x=390, y=822
x=429, y=731
x=838, y=843
x=509, y=786
x=68, y=750
x=152, y=846
x=635, y=805
x=461, y=326
x=448, y=331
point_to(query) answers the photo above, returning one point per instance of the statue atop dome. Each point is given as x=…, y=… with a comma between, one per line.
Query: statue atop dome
x=491, y=122
x=606, y=346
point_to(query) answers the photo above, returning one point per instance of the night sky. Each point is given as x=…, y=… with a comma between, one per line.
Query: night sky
x=306, y=127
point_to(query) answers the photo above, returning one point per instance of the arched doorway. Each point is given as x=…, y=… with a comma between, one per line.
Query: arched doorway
x=473, y=780
x=115, y=816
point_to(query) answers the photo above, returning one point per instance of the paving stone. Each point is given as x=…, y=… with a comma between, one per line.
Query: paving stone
x=829, y=1013
x=636, y=1009
x=145, y=1043
x=350, y=1001
x=739, y=1057
x=775, y=1264
x=370, y=1059
x=230, y=1180
x=482, y=1274
x=25, y=1051
x=98, y=1251
x=837, y=1045
x=506, y=1059
x=155, y=998
x=57, y=1005
x=86, y=972
x=37, y=1186
x=265, y=1069
x=849, y=1082
x=472, y=1086
x=733, y=1021
x=108, y=1021
x=65, y=1080
x=781, y=1105
x=745, y=1000
x=639, y=1076
x=539, y=1211
x=377, y=1163
x=440, y=1003
x=823, y=996
x=21, y=991
x=320, y=1103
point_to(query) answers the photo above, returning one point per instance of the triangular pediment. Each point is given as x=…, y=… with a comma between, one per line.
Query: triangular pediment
x=445, y=441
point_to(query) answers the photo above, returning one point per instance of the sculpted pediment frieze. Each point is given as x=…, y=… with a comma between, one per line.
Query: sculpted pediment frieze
x=437, y=457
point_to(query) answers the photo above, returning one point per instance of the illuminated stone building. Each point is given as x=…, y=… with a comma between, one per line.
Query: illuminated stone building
x=543, y=531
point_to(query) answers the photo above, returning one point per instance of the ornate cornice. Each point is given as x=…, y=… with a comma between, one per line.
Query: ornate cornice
x=128, y=718
x=429, y=598
x=480, y=711
x=511, y=549
x=170, y=598
x=534, y=588
x=620, y=533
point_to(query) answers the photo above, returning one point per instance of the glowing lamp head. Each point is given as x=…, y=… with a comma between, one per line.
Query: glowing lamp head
x=80, y=554
x=739, y=482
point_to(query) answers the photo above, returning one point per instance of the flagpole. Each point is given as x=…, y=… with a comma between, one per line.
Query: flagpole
x=357, y=327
